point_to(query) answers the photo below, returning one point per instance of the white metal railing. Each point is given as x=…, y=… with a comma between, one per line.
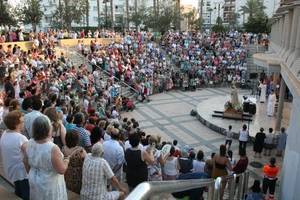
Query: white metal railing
x=146, y=190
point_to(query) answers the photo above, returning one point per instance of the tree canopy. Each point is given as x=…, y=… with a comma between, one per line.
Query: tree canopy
x=32, y=13
x=258, y=20
x=69, y=11
x=6, y=17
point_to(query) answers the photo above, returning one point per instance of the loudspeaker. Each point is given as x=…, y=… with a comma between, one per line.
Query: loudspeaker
x=252, y=109
x=246, y=106
x=253, y=75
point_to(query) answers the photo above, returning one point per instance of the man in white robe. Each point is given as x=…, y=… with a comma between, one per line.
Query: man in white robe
x=271, y=104
x=263, y=92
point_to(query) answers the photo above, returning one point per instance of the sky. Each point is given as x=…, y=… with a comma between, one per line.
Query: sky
x=190, y=2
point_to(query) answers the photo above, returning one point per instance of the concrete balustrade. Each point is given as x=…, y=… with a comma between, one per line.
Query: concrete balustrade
x=27, y=45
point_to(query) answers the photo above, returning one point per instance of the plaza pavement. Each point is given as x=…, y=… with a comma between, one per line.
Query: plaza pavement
x=168, y=115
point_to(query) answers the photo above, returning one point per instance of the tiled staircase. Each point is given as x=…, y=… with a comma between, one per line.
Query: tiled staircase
x=251, y=67
x=78, y=59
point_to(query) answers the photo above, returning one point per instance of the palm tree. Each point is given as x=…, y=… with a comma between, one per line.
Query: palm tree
x=87, y=12
x=178, y=15
x=127, y=14
x=112, y=14
x=98, y=13
x=135, y=6
x=253, y=7
x=201, y=8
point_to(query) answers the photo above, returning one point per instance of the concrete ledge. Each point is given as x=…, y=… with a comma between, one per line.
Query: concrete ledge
x=265, y=59
x=87, y=41
x=24, y=45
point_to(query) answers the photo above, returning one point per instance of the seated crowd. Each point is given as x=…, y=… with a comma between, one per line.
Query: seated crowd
x=62, y=127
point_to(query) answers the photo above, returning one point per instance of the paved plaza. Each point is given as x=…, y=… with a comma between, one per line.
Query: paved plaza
x=168, y=115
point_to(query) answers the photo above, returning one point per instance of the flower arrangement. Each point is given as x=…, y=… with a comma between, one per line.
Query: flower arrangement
x=228, y=105
x=236, y=107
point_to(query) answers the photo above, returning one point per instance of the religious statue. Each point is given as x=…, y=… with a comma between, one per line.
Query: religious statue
x=234, y=95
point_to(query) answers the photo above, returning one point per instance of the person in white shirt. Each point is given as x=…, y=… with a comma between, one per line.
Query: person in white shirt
x=12, y=159
x=229, y=136
x=199, y=163
x=243, y=139
x=95, y=173
x=114, y=153
x=30, y=117
x=170, y=167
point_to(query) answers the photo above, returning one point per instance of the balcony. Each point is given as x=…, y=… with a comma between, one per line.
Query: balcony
x=284, y=48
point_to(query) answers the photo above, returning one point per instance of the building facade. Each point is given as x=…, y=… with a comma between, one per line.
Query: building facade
x=119, y=11
x=229, y=10
x=284, y=57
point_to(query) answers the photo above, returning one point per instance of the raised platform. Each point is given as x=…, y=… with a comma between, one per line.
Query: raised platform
x=206, y=109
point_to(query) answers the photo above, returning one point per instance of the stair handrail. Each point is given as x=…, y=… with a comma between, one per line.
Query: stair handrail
x=108, y=74
x=146, y=189
x=118, y=80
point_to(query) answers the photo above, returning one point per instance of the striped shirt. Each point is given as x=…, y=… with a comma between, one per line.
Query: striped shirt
x=84, y=136
x=95, y=173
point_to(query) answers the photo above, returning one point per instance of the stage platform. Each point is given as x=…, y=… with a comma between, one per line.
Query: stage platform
x=206, y=108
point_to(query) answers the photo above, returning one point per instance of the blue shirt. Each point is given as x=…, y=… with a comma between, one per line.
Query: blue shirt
x=114, y=155
x=84, y=136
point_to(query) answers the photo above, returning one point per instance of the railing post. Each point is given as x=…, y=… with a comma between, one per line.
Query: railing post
x=232, y=187
x=240, y=186
x=210, y=194
x=246, y=179
x=217, y=191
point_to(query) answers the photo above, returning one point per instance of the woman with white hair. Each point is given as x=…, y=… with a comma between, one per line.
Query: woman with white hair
x=95, y=173
x=45, y=164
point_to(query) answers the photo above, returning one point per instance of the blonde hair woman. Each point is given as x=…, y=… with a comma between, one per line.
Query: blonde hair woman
x=58, y=129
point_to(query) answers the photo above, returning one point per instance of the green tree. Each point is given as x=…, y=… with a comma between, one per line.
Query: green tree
x=69, y=11
x=218, y=28
x=6, y=17
x=198, y=23
x=177, y=18
x=190, y=16
x=138, y=17
x=258, y=24
x=253, y=7
x=258, y=20
x=165, y=18
x=98, y=13
x=87, y=12
x=32, y=13
x=234, y=20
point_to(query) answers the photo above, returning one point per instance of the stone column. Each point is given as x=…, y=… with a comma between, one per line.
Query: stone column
x=290, y=171
x=297, y=42
x=289, y=18
x=296, y=13
x=278, y=39
x=280, y=105
x=281, y=31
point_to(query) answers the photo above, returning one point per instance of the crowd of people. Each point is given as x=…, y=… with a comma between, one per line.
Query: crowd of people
x=208, y=59
x=19, y=35
x=184, y=61
x=62, y=127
